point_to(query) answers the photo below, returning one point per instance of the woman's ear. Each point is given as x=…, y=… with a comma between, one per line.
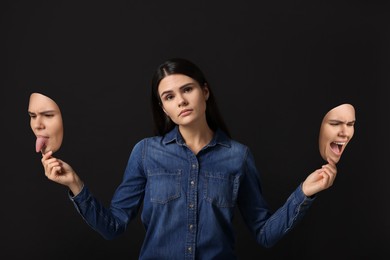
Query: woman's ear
x=206, y=92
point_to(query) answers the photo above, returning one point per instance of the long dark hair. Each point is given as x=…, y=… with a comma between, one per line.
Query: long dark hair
x=162, y=124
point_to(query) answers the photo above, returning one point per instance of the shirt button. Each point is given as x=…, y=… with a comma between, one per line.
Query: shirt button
x=192, y=183
x=189, y=249
x=191, y=226
x=191, y=206
x=194, y=166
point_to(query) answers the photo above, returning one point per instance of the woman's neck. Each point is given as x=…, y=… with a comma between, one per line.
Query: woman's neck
x=196, y=138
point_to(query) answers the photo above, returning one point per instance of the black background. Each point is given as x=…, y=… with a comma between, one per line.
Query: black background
x=268, y=62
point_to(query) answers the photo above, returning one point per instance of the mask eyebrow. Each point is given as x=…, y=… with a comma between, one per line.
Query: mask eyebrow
x=42, y=112
x=340, y=121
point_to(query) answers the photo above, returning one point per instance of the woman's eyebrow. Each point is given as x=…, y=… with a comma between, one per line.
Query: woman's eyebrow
x=186, y=85
x=170, y=91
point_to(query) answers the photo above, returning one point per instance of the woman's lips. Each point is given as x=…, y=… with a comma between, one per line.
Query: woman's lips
x=185, y=112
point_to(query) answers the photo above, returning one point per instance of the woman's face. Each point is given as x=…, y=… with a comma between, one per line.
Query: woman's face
x=46, y=123
x=183, y=99
x=337, y=129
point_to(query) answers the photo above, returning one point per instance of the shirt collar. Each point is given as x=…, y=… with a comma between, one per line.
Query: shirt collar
x=219, y=138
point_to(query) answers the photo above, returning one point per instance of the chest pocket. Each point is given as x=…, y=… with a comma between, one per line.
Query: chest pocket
x=164, y=186
x=221, y=189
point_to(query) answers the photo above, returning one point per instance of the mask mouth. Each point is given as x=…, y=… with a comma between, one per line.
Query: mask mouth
x=40, y=143
x=337, y=147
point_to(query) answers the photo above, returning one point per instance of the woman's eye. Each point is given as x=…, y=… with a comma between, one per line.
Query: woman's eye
x=168, y=97
x=187, y=89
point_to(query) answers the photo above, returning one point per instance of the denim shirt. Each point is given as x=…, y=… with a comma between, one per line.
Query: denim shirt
x=188, y=200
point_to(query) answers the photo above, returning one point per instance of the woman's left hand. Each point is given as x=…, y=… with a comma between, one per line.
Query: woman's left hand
x=320, y=179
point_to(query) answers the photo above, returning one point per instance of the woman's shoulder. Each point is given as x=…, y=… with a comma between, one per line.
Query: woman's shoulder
x=224, y=139
x=146, y=144
x=238, y=145
x=149, y=139
x=234, y=145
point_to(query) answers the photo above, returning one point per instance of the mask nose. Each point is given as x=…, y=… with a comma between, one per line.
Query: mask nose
x=38, y=124
x=345, y=131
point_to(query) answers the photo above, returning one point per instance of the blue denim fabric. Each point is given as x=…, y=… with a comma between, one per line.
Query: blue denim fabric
x=189, y=200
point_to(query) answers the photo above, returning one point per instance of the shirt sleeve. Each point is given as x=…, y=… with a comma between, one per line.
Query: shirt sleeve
x=112, y=221
x=266, y=226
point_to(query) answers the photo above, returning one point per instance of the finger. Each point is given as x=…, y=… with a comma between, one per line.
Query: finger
x=49, y=165
x=47, y=159
x=56, y=170
x=330, y=168
x=331, y=176
x=46, y=165
x=47, y=155
x=53, y=171
x=326, y=180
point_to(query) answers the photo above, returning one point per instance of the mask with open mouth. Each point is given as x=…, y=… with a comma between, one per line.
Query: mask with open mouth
x=337, y=129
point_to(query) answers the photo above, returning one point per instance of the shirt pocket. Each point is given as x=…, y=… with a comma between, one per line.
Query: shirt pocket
x=164, y=186
x=221, y=189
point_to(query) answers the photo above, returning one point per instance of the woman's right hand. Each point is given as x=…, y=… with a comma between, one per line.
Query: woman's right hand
x=61, y=172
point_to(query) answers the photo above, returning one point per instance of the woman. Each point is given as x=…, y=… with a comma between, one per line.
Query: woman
x=189, y=178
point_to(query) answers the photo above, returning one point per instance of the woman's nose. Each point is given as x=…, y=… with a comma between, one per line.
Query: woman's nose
x=182, y=101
